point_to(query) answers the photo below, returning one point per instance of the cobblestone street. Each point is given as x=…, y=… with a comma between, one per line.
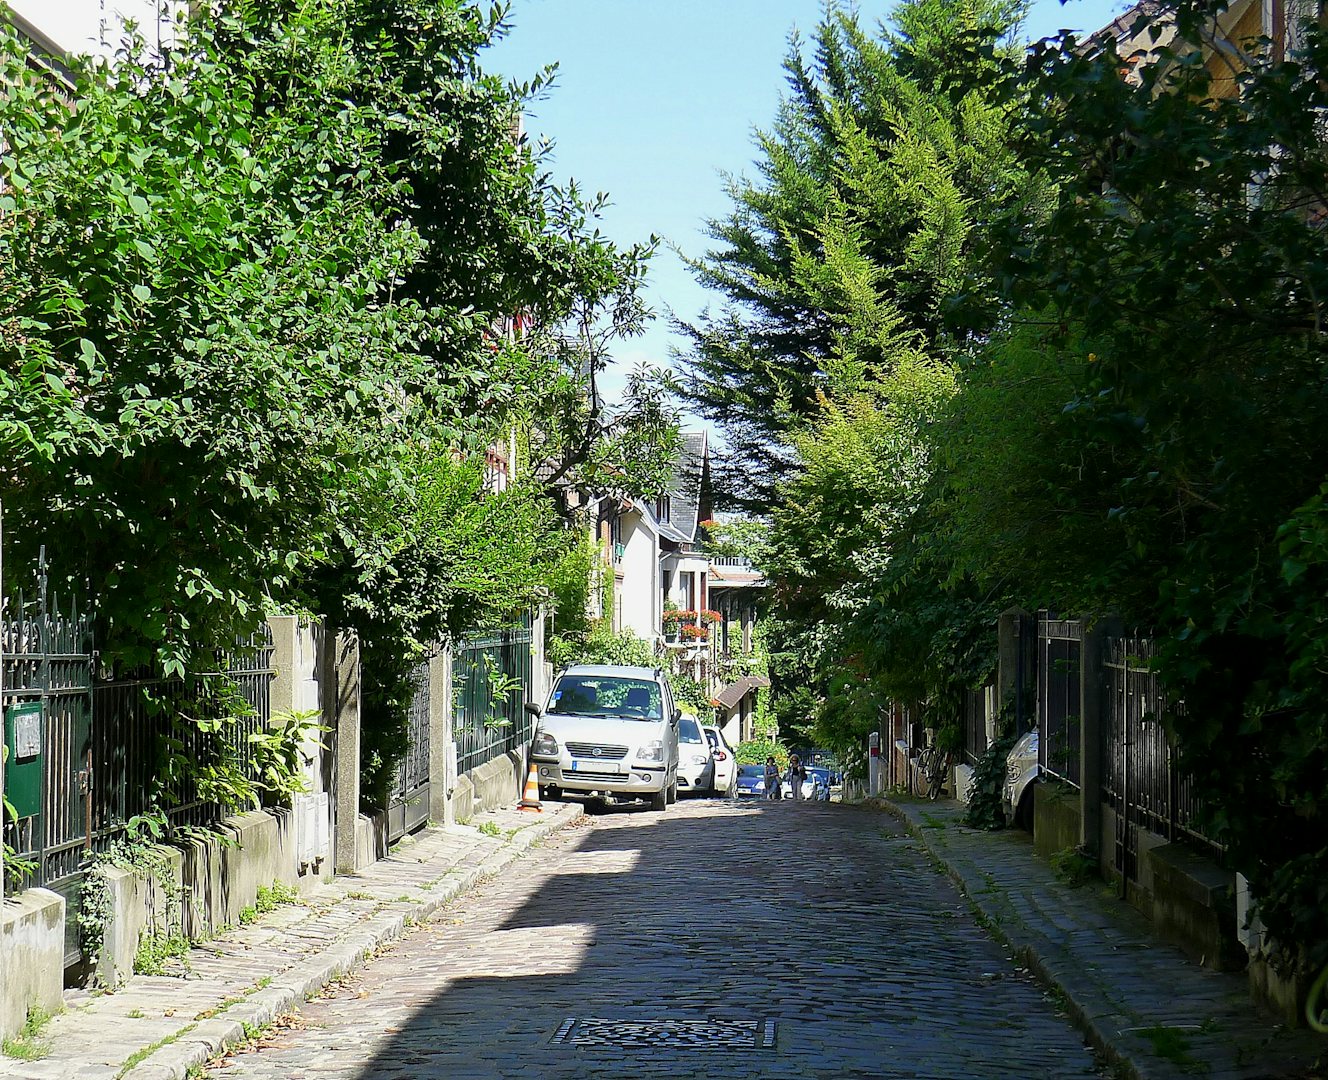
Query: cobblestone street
x=762, y=940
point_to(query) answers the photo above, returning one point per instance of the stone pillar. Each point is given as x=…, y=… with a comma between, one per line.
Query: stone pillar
x=285, y=661
x=343, y=718
x=442, y=755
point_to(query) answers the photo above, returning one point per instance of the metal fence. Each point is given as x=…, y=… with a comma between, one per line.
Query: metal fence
x=408, y=802
x=1140, y=779
x=1060, y=659
x=491, y=682
x=47, y=679
x=87, y=754
x=145, y=729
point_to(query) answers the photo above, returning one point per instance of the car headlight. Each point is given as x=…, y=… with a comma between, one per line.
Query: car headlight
x=545, y=745
x=651, y=751
x=699, y=759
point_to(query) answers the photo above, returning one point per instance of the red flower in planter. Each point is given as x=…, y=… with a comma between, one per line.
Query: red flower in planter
x=695, y=633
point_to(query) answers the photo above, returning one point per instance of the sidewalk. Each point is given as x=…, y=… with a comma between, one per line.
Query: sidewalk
x=159, y=1027
x=1140, y=1002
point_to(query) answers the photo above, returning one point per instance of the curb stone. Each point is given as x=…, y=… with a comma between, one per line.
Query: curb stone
x=205, y=1040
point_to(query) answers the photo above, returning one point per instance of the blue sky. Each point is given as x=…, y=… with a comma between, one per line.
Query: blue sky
x=655, y=99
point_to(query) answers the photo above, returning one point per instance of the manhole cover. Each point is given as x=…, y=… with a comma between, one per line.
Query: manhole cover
x=667, y=1034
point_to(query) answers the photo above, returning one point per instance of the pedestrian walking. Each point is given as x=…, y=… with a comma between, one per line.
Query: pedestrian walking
x=772, y=779
x=797, y=773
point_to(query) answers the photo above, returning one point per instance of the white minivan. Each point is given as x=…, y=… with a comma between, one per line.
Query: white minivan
x=608, y=732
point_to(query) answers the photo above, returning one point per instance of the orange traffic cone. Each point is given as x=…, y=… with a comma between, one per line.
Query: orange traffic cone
x=530, y=799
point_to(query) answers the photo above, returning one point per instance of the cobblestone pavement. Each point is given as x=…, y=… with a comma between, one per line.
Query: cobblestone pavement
x=1143, y=1002
x=758, y=940
x=159, y=1026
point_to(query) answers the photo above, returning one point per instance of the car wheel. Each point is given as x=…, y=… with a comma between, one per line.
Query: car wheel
x=659, y=801
x=673, y=791
x=1023, y=815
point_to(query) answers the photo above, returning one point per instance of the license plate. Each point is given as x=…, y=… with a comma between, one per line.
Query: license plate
x=579, y=765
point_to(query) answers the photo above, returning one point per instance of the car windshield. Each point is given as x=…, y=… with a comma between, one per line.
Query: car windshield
x=712, y=738
x=604, y=695
x=756, y=771
x=689, y=731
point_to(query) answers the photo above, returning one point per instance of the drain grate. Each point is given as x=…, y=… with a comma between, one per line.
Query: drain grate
x=710, y=1034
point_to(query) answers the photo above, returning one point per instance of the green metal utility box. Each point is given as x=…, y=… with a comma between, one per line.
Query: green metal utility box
x=23, y=763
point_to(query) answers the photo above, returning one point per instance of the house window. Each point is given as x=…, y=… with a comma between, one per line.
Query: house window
x=662, y=508
x=687, y=588
x=616, y=538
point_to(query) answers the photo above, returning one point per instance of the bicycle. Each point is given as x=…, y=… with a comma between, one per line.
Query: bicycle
x=930, y=772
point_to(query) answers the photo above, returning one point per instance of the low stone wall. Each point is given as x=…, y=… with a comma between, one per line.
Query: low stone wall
x=1194, y=906
x=139, y=905
x=370, y=838
x=963, y=782
x=210, y=881
x=1056, y=819
x=496, y=783
x=222, y=878
x=32, y=943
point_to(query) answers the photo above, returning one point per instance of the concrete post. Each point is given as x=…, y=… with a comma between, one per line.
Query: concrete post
x=344, y=720
x=874, y=784
x=285, y=660
x=440, y=737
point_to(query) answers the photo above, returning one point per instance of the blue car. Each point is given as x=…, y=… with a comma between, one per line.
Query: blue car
x=751, y=781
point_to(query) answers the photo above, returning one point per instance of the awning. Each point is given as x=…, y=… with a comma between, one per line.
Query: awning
x=732, y=694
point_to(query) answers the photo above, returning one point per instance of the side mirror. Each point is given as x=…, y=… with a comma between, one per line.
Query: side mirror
x=676, y=718
x=534, y=708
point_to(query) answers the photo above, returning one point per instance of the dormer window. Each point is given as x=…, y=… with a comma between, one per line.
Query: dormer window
x=662, y=508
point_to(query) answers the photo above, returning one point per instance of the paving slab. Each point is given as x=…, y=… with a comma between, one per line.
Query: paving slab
x=159, y=1027
x=1140, y=1001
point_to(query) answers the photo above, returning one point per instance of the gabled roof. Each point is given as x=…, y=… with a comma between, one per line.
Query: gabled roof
x=729, y=697
x=688, y=479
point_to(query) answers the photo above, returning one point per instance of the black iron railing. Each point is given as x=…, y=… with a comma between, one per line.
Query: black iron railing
x=491, y=682
x=1060, y=654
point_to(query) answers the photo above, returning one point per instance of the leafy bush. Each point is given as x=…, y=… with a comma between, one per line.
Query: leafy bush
x=984, y=796
x=755, y=751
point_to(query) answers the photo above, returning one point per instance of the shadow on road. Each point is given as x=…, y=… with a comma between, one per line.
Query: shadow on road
x=690, y=931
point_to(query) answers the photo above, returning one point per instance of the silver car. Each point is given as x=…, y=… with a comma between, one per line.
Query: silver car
x=1021, y=771
x=609, y=732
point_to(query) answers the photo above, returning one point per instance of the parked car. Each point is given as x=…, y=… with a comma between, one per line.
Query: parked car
x=726, y=766
x=1021, y=771
x=821, y=783
x=808, y=787
x=696, y=766
x=609, y=731
x=750, y=781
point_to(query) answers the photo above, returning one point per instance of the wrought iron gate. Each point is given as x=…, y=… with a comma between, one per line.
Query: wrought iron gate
x=46, y=690
x=408, y=804
x=1140, y=780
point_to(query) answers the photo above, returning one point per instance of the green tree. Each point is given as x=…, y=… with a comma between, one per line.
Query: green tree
x=253, y=294
x=846, y=252
x=1185, y=254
